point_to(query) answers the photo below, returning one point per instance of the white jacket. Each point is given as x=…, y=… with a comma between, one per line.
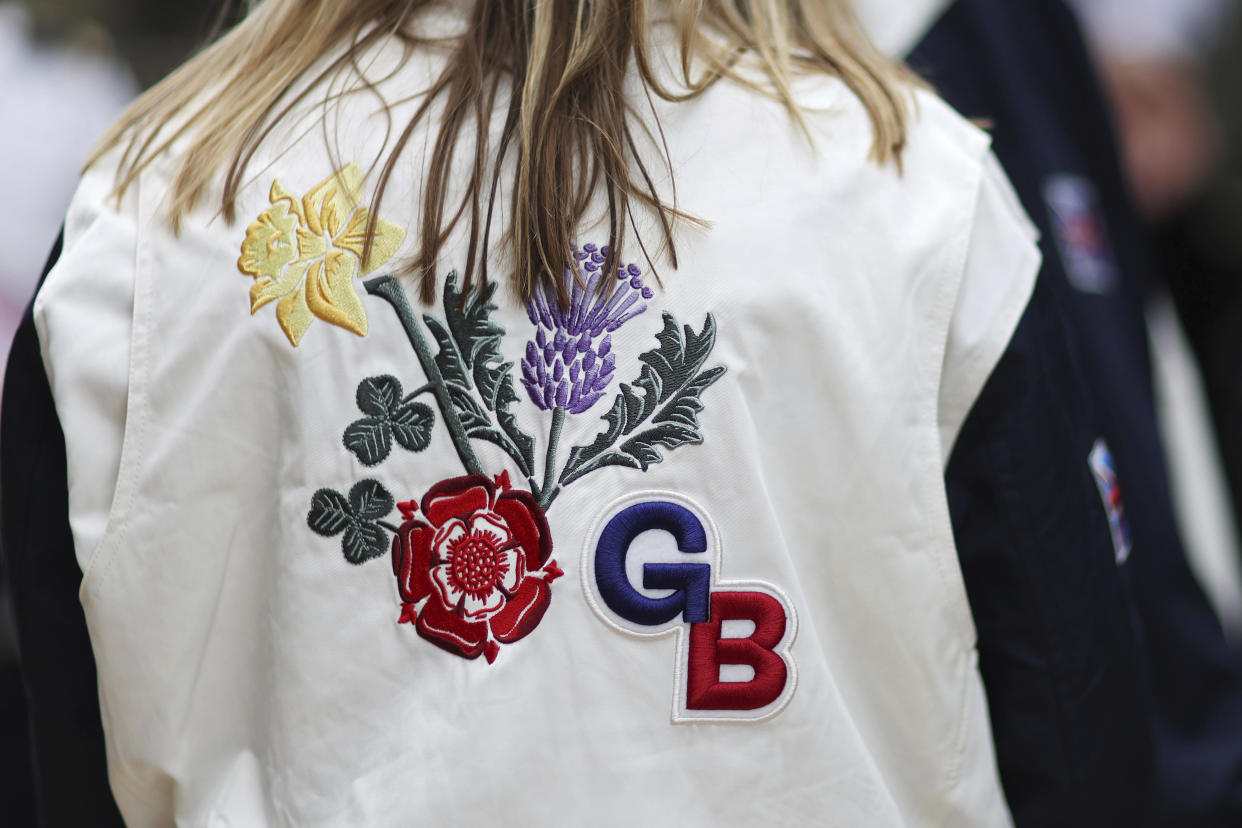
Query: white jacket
x=327, y=587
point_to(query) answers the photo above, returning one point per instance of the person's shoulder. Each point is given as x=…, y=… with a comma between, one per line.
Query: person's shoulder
x=933, y=114
x=939, y=145
x=937, y=134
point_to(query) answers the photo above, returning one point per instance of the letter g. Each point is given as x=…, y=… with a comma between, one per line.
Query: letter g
x=691, y=582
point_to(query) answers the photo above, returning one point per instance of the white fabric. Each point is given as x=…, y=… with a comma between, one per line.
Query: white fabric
x=974, y=345
x=988, y=307
x=251, y=676
x=897, y=26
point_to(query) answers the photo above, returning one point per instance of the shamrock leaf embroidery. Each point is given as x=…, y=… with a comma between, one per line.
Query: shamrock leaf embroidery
x=358, y=516
x=389, y=417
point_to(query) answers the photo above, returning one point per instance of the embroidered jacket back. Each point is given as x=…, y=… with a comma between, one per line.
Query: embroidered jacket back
x=673, y=554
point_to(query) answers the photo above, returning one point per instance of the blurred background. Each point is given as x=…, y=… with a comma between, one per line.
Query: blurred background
x=67, y=69
x=1173, y=69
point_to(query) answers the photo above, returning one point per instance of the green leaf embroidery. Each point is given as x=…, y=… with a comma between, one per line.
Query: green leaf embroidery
x=641, y=450
x=357, y=516
x=369, y=500
x=452, y=367
x=370, y=439
x=473, y=417
x=364, y=542
x=329, y=513
x=410, y=423
x=684, y=408
x=671, y=389
x=469, y=359
x=668, y=367
x=470, y=321
x=378, y=396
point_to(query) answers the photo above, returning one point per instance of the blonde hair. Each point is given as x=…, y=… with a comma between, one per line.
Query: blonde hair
x=563, y=65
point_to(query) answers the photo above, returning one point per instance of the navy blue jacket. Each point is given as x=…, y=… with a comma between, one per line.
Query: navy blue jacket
x=71, y=782
x=1020, y=66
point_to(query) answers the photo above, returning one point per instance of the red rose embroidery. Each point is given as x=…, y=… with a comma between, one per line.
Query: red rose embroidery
x=478, y=559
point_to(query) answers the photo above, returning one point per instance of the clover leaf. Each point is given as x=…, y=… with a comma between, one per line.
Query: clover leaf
x=390, y=416
x=357, y=517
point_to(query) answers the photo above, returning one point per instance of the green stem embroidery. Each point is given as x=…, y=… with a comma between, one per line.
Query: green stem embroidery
x=385, y=524
x=549, y=490
x=418, y=392
x=389, y=289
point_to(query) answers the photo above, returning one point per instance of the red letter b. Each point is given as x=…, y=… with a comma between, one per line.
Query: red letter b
x=708, y=651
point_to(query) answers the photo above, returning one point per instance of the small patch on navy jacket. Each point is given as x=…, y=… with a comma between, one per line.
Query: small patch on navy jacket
x=1105, y=473
x=1081, y=234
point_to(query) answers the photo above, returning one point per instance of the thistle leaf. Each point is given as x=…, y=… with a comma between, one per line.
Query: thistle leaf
x=684, y=408
x=471, y=414
x=470, y=359
x=448, y=358
x=479, y=337
x=680, y=355
x=523, y=451
x=644, y=448
x=668, y=378
x=470, y=321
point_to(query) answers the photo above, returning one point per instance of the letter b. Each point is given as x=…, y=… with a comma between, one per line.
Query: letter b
x=708, y=651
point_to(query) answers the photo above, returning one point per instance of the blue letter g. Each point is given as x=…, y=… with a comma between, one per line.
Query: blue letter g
x=691, y=582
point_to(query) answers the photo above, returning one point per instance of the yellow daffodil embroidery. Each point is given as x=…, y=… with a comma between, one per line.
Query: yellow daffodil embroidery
x=305, y=254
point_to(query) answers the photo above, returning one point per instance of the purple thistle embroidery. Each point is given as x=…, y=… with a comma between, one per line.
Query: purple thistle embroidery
x=570, y=363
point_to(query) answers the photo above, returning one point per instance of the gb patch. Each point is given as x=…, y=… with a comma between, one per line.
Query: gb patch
x=651, y=569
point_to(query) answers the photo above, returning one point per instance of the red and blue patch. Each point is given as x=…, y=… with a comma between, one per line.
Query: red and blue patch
x=1080, y=233
x=650, y=570
x=1105, y=473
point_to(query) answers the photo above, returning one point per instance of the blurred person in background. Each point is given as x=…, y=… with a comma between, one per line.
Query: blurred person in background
x=56, y=97
x=1020, y=66
x=1153, y=57
x=1163, y=73
x=1175, y=79
x=57, y=93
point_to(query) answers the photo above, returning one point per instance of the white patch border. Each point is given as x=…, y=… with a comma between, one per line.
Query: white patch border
x=680, y=714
